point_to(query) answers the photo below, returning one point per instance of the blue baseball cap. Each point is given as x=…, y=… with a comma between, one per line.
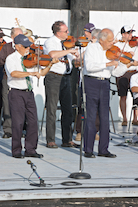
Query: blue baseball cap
x=23, y=40
x=89, y=27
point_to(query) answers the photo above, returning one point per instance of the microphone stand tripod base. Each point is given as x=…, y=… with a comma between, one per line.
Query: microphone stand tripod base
x=80, y=175
x=41, y=184
x=38, y=185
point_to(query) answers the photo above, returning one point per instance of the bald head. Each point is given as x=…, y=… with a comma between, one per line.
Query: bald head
x=106, y=38
x=15, y=32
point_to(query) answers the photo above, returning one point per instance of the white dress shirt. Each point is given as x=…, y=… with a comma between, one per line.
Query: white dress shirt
x=95, y=63
x=134, y=83
x=13, y=63
x=52, y=44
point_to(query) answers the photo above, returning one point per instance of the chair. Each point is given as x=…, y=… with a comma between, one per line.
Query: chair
x=74, y=106
x=134, y=107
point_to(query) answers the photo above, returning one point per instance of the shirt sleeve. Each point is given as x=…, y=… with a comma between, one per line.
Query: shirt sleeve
x=134, y=80
x=94, y=60
x=9, y=66
x=120, y=70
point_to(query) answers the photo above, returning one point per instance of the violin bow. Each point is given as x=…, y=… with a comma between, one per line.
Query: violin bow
x=38, y=60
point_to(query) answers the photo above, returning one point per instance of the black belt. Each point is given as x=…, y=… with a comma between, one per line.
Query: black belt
x=26, y=90
x=55, y=73
x=59, y=73
x=98, y=78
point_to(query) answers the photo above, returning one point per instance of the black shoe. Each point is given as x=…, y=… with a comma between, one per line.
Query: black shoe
x=18, y=156
x=110, y=155
x=7, y=135
x=36, y=155
x=89, y=154
x=70, y=144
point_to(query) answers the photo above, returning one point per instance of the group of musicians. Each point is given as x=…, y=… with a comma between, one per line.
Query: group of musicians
x=97, y=70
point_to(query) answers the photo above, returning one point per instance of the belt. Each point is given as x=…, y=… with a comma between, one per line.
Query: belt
x=26, y=90
x=98, y=78
x=55, y=73
x=131, y=71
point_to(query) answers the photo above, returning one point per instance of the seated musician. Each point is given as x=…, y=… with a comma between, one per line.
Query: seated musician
x=134, y=89
x=123, y=82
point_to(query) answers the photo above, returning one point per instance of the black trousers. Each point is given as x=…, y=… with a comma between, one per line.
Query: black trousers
x=22, y=104
x=58, y=87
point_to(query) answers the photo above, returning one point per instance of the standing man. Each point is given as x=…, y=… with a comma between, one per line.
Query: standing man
x=7, y=49
x=123, y=82
x=57, y=87
x=91, y=34
x=2, y=42
x=97, y=71
x=21, y=99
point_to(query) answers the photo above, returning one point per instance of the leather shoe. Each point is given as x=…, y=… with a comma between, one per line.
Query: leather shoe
x=51, y=145
x=70, y=144
x=36, y=155
x=110, y=155
x=89, y=154
x=7, y=135
x=18, y=156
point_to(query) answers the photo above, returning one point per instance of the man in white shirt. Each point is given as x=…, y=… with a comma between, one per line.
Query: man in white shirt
x=57, y=87
x=21, y=99
x=123, y=82
x=98, y=70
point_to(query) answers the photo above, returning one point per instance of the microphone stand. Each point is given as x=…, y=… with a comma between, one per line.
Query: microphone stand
x=41, y=184
x=80, y=174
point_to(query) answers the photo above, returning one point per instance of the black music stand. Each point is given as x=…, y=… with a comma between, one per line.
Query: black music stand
x=80, y=174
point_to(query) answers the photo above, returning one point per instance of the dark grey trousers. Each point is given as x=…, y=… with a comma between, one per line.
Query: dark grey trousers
x=22, y=105
x=58, y=87
x=6, y=111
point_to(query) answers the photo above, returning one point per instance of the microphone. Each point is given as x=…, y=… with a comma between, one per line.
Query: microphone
x=78, y=43
x=30, y=163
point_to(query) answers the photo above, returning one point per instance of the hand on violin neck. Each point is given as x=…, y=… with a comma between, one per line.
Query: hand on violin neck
x=132, y=63
x=54, y=60
x=112, y=63
x=132, y=53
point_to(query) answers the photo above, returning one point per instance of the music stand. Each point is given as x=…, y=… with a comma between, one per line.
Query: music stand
x=80, y=174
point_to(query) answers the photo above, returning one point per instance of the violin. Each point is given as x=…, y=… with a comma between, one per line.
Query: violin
x=2, y=44
x=114, y=54
x=69, y=42
x=133, y=42
x=33, y=47
x=31, y=60
x=83, y=40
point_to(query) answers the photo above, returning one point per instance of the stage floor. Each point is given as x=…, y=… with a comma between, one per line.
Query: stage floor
x=110, y=177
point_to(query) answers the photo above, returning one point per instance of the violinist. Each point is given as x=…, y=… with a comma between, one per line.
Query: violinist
x=97, y=72
x=6, y=50
x=21, y=99
x=91, y=33
x=2, y=42
x=57, y=86
x=123, y=82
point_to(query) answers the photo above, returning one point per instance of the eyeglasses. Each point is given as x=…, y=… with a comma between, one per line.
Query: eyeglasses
x=25, y=47
x=65, y=31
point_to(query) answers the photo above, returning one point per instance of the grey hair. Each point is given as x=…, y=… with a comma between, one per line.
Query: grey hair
x=95, y=33
x=13, y=31
x=103, y=35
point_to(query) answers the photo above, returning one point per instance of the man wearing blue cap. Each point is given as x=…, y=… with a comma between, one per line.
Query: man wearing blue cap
x=21, y=99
